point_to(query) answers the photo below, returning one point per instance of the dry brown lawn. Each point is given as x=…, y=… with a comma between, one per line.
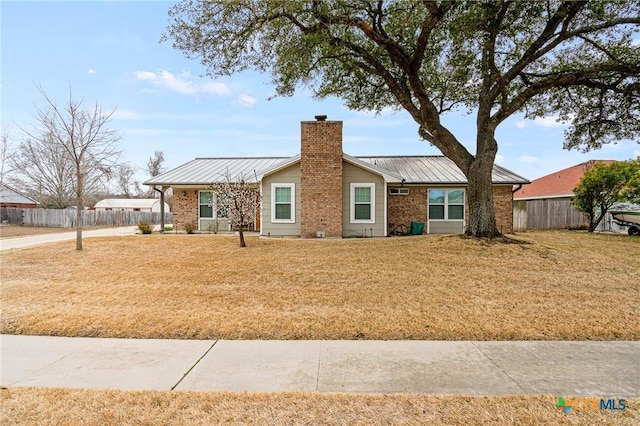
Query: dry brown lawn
x=559, y=286
x=12, y=231
x=29, y=406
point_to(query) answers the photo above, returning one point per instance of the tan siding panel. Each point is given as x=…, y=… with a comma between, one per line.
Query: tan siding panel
x=289, y=175
x=353, y=174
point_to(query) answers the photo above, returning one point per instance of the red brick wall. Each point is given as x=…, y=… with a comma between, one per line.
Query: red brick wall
x=185, y=207
x=404, y=209
x=503, y=202
x=321, y=178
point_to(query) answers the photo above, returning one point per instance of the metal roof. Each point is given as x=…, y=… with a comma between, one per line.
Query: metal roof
x=435, y=169
x=9, y=195
x=413, y=169
x=205, y=171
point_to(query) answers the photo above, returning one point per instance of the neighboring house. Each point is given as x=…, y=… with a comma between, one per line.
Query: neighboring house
x=323, y=192
x=131, y=205
x=14, y=199
x=546, y=202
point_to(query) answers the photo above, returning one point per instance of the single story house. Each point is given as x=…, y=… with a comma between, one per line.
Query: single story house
x=546, y=202
x=13, y=199
x=323, y=192
x=131, y=205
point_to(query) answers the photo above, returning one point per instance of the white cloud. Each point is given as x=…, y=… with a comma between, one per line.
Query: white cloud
x=246, y=100
x=520, y=124
x=548, y=121
x=91, y=71
x=182, y=83
x=500, y=159
x=528, y=159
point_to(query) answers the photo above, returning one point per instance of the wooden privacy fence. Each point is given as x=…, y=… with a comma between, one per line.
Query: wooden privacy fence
x=531, y=215
x=67, y=218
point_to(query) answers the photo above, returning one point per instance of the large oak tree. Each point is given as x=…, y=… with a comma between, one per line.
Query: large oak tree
x=576, y=60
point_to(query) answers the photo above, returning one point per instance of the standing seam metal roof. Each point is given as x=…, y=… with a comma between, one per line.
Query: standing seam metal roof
x=414, y=169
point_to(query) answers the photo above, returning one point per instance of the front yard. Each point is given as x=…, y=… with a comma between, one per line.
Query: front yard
x=558, y=286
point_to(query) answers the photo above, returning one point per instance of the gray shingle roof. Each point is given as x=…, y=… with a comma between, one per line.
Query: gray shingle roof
x=414, y=169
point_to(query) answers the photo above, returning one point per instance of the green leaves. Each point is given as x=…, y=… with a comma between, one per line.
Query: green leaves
x=602, y=185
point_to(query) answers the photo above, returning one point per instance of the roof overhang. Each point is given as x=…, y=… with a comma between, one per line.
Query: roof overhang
x=280, y=166
x=388, y=177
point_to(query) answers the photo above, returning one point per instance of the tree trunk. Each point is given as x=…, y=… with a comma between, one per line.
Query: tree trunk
x=482, y=212
x=79, y=209
x=242, y=243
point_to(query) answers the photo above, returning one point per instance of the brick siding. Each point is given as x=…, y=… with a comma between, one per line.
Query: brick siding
x=185, y=208
x=321, y=178
x=404, y=209
x=503, y=202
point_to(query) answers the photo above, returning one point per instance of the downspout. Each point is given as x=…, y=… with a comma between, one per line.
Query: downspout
x=513, y=191
x=161, y=209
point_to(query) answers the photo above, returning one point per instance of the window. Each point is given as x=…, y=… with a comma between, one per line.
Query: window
x=398, y=191
x=222, y=206
x=446, y=204
x=206, y=205
x=213, y=205
x=283, y=202
x=363, y=202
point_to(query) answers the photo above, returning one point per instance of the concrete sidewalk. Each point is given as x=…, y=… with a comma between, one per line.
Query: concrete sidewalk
x=19, y=242
x=598, y=369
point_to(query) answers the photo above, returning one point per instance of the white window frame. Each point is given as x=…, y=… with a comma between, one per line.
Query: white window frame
x=213, y=204
x=352, y=202
x=291, y=186
x=446, y=204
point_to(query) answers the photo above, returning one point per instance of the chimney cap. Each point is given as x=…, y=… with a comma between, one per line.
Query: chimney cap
x=321, y=117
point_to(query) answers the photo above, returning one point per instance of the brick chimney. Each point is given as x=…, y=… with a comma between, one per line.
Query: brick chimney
x=321, y=178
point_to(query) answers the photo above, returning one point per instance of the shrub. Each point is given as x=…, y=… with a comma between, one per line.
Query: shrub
x=168, y=228
x=190, y=227
x=145, y=227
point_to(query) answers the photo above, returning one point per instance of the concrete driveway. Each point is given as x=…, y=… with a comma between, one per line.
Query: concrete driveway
x=19, y=242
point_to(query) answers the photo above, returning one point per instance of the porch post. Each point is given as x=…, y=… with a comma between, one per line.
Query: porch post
x=161, y=191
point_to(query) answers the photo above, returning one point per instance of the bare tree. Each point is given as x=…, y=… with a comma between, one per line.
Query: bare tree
x=238, y=199
x=81, y=137
x=126, y=184
x=45, y=171
x=155, y=166
x=6, y=156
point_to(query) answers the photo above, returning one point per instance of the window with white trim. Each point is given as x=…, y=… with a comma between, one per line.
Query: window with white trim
x=205, y=203
x=363, y=205
x=212, y=205
x=446, y=204
x=283, y=202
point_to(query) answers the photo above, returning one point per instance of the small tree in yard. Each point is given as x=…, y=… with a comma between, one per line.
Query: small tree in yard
x=79, y=137
x=605, y=184
x=237, y=199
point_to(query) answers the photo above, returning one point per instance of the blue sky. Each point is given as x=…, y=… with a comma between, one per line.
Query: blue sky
x=109, y=53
